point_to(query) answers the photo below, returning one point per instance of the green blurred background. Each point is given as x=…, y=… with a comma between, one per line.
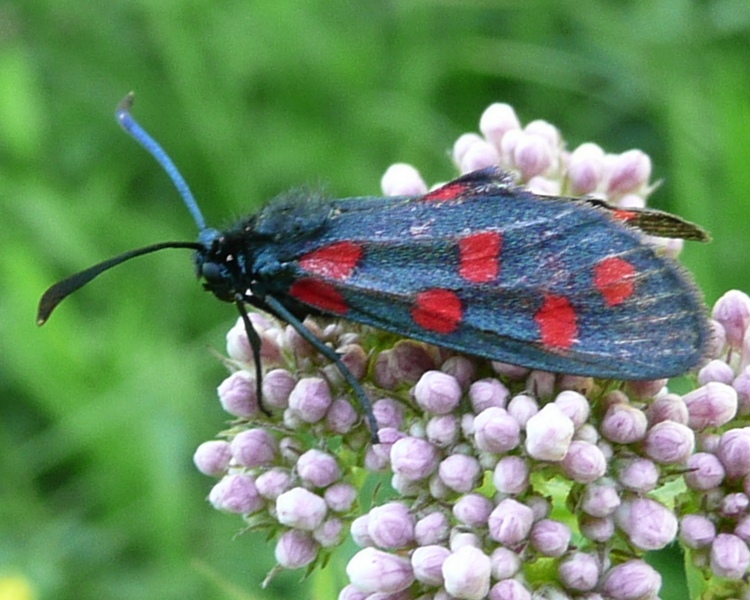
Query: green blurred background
x=100, y=411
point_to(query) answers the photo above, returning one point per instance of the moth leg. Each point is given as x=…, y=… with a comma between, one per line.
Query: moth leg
x=331, y=355
x=254, y=339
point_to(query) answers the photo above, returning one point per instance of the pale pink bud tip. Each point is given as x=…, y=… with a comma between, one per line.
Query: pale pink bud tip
x=340, y=497
x=427, y=562
x=437, y=392
x=732, y=311
x=734, y=452
x=584, y=462
x=704, y=471
x=391, y=526
x=212, y=457
x=372, y=570
x=510, y=522
x=624, y=424
x=496, y=120
x=401, y=179
x=301, y=509
x=310, y=399
x=648, y=523
x=496, y=431
x=414, y=458
x=238, y=395
x=550, y=537
x=730, y=556
x=295, y=549
x=585, y=169
x=318, y=469
x=669, y=443
x=697, y=531
x=432, y=529
x=478, y=155
x=711, y=405
x=254, y=448
x=630, y=171
x=466, y=573
x=579, y=572
x=236, y=494
x=549, y=433
x=632, y=580
x=511, y=475
x=532, y=155
x=460, y=473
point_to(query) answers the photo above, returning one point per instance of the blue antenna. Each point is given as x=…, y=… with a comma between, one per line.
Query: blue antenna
x=131, y=126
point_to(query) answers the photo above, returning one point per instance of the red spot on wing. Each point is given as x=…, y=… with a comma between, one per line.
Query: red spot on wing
x=613, y=277
x=335, y=261
x=479, y=256
x=557, y=322
x=319, y=294
x=449, y=191
x=437, y=310
x=624, y=215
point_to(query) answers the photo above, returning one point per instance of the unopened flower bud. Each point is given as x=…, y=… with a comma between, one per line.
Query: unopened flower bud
x=462, y=144
x=295, y=549
x=442, y=430
x=496, y=431
x=414, y=458
x=310, y=399
x=730, y=556
x=236, y=494
x=460, y=368
x=550, y=537
x=532, y=156
x=600, y=500
x=466, y=573
x=505, y=563
x=238, y=395
x=277, y=385
x=548, y=434
x=341, y=416
x=391, y=525
x=510, y=522
x=669, y=443
x=330, y=533
x=437, y=393
x=496, y=120
x=669, y=407
x=704, y=472
x=509, y=589
x=648, y=523
x=712, y=405
x=254, y=448
x=359, y=533
x=631, y=580
x=212, y=458
x=486, y=393
x=579, y=572
x=427, y=563
x=697, y=531
x=522, y=407
x=401, y=179
x=340, y=497
x=734, y=452
x=585, y=169
x=716, y=371
x=459, y=472
x=372, y=570
x=473, y=510
x=732, y=311
x=629, y=172
x=273, y=483
x=597, y=529
x=511, y=475
x=575, y=406
x=639, y=475
x=478, y=155
x=301, y=509
x=624, y=424
x=584, y=462
x=318, y=469
x=734, y=505
x=432, y=529
x=388, y=413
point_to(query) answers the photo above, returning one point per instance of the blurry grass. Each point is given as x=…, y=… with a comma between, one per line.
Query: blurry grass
x=101, y=409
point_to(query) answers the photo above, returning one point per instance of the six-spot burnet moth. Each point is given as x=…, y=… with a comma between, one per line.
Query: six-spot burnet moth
x=478, y=265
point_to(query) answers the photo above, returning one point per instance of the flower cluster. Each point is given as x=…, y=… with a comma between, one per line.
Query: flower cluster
x=505, y=483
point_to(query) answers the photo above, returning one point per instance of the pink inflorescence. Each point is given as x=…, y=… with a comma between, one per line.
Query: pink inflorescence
x=495, y=481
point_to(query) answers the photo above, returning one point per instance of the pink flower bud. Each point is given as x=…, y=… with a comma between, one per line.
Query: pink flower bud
x=742, y=529
x=669, y=407
x=273, y=483
x=624, y=424
x=277, y=385
x=711, y=405
x=532, y=156
x=330, y=533
x=741, y=384
x=372, y=570
x=486, y=393
x=403, y=364
x=522, y=407
x=341, y=417
x=585, y=169
x=579, y=572
x=310, y=399
x=496, y=121
x=629, y=172
x=584, y=462
x=391, y=526
x=254, y=448
x=318, y=469
x=573, y=405
x=730, y=556
x=732, y=311
x=545, y=130
x=462, y=144
x=401, y=179
x=427, y=563
x=639, y=475
x=511, y=475
x=301, y=509
x=466, y=573
x=460, y=473
x=510, y=522
x=388, y=413
x=505, y=563
x=669, y=443
x=473, y=510
x=648, y=523
x=632, y=580
x=340, y=497
x=432, y=529
x=509, y=589
x=437, y=393
x=600, y=500
x=734, y=452
x=236, y=494
x=414, y=458
x=479, y=155
x=697, y=531
x=212, y=458
x=496, y=431
x=704, y=472
x=597, y=529
x=442, y=430
x=461, y=369
x=734, y=505
x=290, y=449
x=295, y=549
x=349, y=592
x=238, y=395
x=548, y=434
x=358, y=531
x=550, y=537
x=716, y=371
